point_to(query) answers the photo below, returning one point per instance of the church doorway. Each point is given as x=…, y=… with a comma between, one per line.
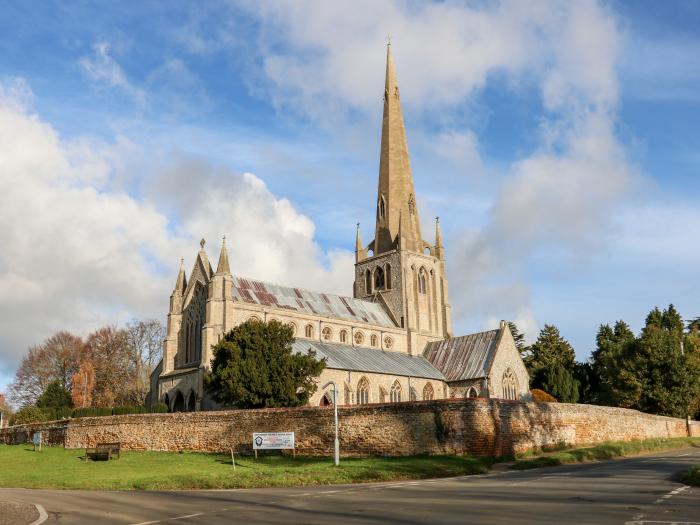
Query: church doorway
x=179, y=404
x=326, y=401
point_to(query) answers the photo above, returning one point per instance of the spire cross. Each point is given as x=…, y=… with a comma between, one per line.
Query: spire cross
x=202, y=243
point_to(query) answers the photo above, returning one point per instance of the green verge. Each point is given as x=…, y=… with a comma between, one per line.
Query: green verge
x=602, y=451
x=59, y=468
x=692, y=477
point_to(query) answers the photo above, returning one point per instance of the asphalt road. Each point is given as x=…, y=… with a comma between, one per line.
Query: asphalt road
x=633, y=491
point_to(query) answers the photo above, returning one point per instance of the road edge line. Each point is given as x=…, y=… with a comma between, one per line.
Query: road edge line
x=42, y=515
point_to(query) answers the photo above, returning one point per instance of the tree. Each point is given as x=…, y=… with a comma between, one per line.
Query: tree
x=614, y=364
x=254, y=366
x=55, y=396
x=557, y=381
x=145, y=338
x=5, y=410
x=519, y=338
x=108, y=349
x=550, y=350
x=83, y=385
x=56, y=359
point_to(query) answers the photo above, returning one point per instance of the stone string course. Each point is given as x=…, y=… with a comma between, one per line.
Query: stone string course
x=478, y=427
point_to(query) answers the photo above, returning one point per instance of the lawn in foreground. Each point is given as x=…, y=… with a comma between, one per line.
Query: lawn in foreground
x=59, y=468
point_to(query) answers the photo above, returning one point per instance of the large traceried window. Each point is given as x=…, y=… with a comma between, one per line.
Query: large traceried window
x=395, y=392
x=428, y=392
x=510, y=385
x=363, y=391
x=422, y=281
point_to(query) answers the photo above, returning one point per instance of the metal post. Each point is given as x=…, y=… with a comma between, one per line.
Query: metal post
x=336, y=443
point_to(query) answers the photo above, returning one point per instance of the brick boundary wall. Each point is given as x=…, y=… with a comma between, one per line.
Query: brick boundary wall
x=474, y=426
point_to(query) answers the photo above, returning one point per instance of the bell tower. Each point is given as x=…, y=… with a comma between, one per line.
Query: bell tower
x=399, y=269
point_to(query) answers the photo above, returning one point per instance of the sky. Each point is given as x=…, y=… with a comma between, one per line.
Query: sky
x=557, y=141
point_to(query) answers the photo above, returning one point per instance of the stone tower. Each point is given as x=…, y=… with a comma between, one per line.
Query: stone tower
x=399, y=269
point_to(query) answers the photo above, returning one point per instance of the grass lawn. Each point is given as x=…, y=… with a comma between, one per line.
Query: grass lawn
x=692, y=477
x=602, y=451
x=60, y=468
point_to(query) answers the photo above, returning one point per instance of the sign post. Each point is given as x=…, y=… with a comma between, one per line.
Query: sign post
x=36, y=440
x=273, y=441
x=336, y=443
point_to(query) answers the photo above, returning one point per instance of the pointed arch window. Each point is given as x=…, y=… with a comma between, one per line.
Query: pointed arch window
x=510, y=385
x=309, y=331
x=422, y=281
x=428, y=392
x=387, y=276
x=343, y=336
x=368, y=282
x=382, y=207
x=395, y=392
x=363, y=391
x=373, y=340
x=378, y=278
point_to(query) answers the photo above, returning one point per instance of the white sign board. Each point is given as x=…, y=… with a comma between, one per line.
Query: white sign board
x=36, y=439
x=273, y=440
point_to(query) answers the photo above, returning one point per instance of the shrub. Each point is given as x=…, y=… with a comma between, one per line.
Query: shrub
x=92, y=412
x=159, y=408
x=540, y=396
x=30, y=414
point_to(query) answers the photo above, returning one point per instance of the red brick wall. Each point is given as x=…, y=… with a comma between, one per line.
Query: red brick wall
x=480, y=426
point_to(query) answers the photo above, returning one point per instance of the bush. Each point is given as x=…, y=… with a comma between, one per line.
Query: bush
x=159, y=408
x=30, y=414
x=92, y=412
x=540, y=396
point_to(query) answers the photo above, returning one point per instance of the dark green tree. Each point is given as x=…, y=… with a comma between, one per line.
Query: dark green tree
x=557, y=381
x=254, y=366
x=588, y=383
x=550, y=350
x=613, y=365
x=519, y=339
x=56, y=396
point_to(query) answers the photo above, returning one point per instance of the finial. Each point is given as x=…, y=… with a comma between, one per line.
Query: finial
x=224, y=241
x=182, y=261
x=437, y=219
x=202, y=243
x=388, y=40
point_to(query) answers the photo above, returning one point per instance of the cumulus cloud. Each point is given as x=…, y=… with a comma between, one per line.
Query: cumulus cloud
x=78, y=251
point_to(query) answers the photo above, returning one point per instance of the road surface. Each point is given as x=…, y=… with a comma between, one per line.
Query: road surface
x=633, y=491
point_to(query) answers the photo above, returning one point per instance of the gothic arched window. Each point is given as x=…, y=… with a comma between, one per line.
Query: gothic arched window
x=428, y=392
x=363, y=391
x=510, y=385
x=373, y=340
x=471, y=392
x=387, y=276
x=382, y=207
x=378, y=278
x=422, y=281
x=343, y=336
x=368, y=282
x=326, y=333
x=309, y=331
x=395, y=393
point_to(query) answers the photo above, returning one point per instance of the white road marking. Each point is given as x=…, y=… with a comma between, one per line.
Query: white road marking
x=667, y=496
x=146, y=523
x=42, y=515
x=188, y=516
x=653, y=522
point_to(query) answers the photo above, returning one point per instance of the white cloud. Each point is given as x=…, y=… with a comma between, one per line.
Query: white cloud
x=78, y=251
x=103, y=69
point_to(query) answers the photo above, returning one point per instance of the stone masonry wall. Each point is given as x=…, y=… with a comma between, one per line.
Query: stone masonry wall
x=471, y=426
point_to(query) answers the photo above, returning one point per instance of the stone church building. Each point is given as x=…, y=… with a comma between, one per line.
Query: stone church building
x=392, y=341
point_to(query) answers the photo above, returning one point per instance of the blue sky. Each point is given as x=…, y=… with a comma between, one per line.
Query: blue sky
x=557, y=141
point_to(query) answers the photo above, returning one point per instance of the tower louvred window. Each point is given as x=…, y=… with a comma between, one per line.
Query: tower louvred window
x=379, y=278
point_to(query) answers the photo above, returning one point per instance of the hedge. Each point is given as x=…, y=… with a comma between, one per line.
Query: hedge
x=33, y=414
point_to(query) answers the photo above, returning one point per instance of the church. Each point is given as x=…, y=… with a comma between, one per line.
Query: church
x=391, y=341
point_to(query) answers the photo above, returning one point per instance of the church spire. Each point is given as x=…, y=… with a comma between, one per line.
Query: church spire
x=358, y=244
x=181, y=282
x=223, y=266
x=439, y=250
x=396, y=194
